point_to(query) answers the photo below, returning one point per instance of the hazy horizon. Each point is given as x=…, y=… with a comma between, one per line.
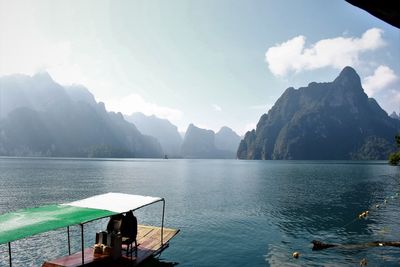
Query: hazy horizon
x=209, y=63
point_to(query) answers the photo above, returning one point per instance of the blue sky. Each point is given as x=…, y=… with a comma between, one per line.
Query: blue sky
x=209, y=62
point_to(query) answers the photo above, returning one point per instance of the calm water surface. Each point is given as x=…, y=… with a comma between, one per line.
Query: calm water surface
x=230, y=212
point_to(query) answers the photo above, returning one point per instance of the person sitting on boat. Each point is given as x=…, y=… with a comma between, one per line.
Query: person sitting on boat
x=129, y=229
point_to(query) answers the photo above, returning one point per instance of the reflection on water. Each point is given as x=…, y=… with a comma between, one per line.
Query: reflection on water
x=157, y=262
x=230, y=212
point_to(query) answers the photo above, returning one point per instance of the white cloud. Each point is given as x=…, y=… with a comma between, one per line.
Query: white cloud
x=389, y=99
x=136, y=103
x=396, y=97
x=382, y=78
x=216, y=107
x=393, y=103
x=294, y=56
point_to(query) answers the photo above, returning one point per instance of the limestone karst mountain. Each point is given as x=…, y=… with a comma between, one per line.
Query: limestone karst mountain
x=165, y=132
x=334, y=120
x=202, y=143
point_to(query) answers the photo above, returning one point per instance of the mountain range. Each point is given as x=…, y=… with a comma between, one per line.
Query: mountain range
x=330, y=121
x=333, y=120
x=39, y=117
x=196, y=142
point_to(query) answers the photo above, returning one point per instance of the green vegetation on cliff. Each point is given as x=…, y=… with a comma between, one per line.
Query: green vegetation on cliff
x=394, y=158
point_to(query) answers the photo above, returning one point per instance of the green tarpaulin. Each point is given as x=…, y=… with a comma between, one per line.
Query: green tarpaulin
x=27, y=222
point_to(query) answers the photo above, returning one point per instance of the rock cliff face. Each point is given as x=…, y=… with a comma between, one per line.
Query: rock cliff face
x=227, y=139
x=333, y=120
x=201, y=143
x=165, y=132
x=395, y=116
x=39, y=117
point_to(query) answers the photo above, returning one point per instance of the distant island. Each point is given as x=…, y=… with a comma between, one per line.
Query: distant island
x=323, y=121
x=196, y=143
x=201, y=143
x=163, y=130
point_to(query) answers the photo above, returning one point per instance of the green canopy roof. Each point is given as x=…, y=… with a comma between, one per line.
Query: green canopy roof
x=28, y=222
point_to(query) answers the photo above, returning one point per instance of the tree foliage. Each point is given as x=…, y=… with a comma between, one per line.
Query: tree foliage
x=394, y=158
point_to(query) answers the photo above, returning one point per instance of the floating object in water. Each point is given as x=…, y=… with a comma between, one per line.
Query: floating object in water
x=363, y=214
x=318, y=245
x=363, y=262
x=385, y=201
x=296, y=255
x=377, y=206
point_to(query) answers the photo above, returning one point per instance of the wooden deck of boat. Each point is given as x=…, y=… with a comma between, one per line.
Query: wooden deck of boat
x=149, y=244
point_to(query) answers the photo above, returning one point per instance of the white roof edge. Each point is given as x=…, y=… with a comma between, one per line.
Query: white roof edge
x=115, y=202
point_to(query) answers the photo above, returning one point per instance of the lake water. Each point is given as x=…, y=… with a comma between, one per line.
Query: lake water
x=230, y=212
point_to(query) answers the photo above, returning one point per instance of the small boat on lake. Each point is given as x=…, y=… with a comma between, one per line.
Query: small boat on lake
x=151, y=240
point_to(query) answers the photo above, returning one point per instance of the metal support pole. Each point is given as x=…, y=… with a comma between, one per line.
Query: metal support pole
x=83, y=246
x=69, y=242
x=162, y=223
x=9, y=253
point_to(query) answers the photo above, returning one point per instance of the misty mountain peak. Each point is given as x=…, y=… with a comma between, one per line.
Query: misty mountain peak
x=162, y=129
x=348, y=77
x=43, y=76
x=80, y=93
x=39, y=118
x=227, y=139
x=203, y=143
x=225, y=129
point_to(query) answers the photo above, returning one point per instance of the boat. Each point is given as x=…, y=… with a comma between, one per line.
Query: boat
x=151, y=240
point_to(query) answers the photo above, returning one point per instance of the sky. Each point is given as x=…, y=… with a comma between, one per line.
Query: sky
x=211, y=62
